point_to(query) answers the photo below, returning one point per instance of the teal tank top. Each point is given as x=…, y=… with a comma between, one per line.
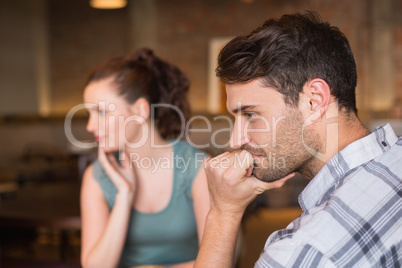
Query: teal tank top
x=168, y=236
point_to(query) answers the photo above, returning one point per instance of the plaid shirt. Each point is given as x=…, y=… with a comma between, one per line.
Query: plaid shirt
x=352, y=211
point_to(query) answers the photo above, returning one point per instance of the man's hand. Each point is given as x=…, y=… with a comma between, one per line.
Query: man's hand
x=230, y=183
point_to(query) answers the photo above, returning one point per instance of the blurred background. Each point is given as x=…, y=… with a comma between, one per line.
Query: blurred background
x=47, y=48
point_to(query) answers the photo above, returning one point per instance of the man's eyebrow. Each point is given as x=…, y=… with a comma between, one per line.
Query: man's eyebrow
x=243, y=108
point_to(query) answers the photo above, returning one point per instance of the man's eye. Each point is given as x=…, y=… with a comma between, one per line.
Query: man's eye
x=249, y=115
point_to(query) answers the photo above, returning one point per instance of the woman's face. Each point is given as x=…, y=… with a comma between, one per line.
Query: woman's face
x=111, y=119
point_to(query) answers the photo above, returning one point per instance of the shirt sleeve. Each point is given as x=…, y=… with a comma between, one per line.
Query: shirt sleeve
x=292, y=253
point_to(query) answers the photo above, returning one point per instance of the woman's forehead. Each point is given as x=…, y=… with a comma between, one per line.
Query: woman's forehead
x=103, y=90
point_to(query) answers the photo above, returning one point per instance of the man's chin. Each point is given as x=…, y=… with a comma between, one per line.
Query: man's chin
x=266, y=175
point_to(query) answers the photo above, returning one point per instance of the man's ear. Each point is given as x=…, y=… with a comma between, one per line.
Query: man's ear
x=141, y=108
x=318, y=94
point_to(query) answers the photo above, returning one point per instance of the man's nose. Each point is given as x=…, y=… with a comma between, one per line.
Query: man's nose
x=239, y=137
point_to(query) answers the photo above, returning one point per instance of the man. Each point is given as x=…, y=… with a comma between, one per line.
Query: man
x=291, y=86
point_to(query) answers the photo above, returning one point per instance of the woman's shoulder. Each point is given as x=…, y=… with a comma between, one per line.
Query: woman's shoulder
x=186, y=152
x=108, y=188
x=99, y=174
x=187, y=159
x=183, y=147
x=97, y=169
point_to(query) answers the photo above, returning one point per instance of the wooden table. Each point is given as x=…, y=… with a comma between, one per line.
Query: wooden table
x=47, y=204
x=43, y=205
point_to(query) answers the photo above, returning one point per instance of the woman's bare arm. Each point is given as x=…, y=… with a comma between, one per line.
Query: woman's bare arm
x=103, y=232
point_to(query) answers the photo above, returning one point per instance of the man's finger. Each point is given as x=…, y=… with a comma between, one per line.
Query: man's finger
x=219, y=161
x=245, y=162
x=264, y=186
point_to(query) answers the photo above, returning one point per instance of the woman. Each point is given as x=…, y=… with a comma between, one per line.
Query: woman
x=146, y=204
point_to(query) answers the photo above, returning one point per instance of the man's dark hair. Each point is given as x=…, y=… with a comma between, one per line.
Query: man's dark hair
x=288, y=52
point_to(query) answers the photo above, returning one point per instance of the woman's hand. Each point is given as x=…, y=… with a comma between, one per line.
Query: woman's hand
x=122, y=176
x=104, y=231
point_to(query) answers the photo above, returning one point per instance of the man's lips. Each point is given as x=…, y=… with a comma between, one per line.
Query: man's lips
x=256, y=155
x=253, y=152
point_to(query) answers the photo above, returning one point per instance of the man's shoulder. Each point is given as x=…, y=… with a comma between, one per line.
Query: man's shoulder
x=362, y=215
x=341, y=232
x=391, y=158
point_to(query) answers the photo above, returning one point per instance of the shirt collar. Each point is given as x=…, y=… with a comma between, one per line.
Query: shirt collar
x=352, y=156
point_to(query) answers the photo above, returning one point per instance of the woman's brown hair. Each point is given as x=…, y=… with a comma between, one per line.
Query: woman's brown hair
x=163, y=85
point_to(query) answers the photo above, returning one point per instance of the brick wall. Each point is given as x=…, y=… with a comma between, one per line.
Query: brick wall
x=81, y=37
x=185, y=28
